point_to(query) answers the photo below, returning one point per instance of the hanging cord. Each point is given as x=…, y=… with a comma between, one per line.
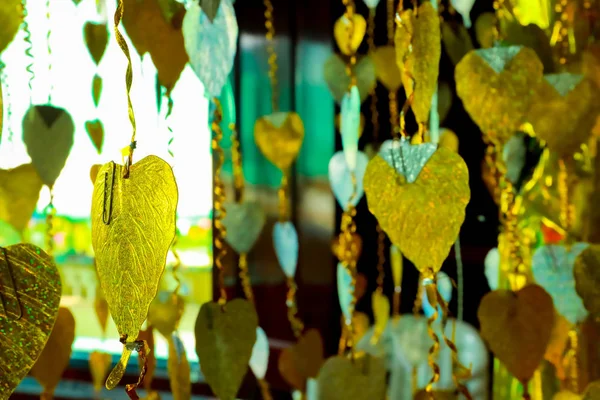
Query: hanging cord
x=499, y=9
x=567, y=210
x=460, y=278
x=571, y=361
x=219, y=200
x=349, y=15
x=236, y=159
x=28, y=48
x=559, y=38
x=6, y=92
x=381, y=259
x=48, y=35
x=430, y=286
x=50, y=212
x=270, y=36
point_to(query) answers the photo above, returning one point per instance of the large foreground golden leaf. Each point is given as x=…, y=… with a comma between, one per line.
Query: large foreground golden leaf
x=497, y=86
x=422, y=218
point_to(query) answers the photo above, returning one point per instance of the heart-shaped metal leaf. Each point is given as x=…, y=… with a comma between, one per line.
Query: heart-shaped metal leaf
x=279, y=137
x=244, y=223
x=285, y=241
x=341, y=181
x=338, y=81
x=362, y=379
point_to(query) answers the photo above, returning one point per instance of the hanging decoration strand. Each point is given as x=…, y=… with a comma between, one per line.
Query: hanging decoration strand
x=459, y=278
x=499, y=10
x=381, y=260
x=48, y=35
x=236, y=159
x=219, y=200
x=433, y=353
x=28, y=49
x=292, y=309
x=50, y=212
x=245, y=278
x=128, y=82
x=270, y=36
x=6, y=91
x=349, y=15
x=265, y=391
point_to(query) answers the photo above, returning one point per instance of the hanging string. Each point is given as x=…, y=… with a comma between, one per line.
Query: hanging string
x=219, y=200
x=127, y=151
x=6, y=92
x=381, y=259
x=28, y=48
x=265, y=391
x=349, y=15
x=571, y=361
x=459, y=278
x=48, y=35
x=499, y=9
x=566, y=208
x=270, y=36
x=435, y=347
x=559, y=39
x=236, y=159
x=50, y=212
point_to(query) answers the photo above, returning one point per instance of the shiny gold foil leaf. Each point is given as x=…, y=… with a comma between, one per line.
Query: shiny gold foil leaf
x=99, y=364
x=587, y=278
x=244, y=223
x=95, y=131
x=53, y=361
x=564, y=112
x=538, y=12
x=386, y=68
x=418, y=52
x=517, y=327
x=338, y=81
x=96, y=89
x=224, y=341
x=48, y=135
x=456, y=39
x=497, y=87
x=558, y=343
x=431, y=210
x=11, y=17
x=133, y=226
x=347, y=41
x=150, y=31
x=279, y=137
x=362, y=379
x=19, y=192
x=303, y=360
x=178, y=368
x=96, y=39
x=165, y=313
x=30, y=297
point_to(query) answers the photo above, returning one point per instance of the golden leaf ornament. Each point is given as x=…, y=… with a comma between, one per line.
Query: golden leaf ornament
x=279, y=137
x=418, y=193
x=165, y=313
x=338, y=81
x=19, y=192
x=244, y=223
x=11, y=17
x=348, y=35
x=178, y=368
x=225, y=336
x=30, y=296
x=418, y=52
x=517, y=326
x=587, y=278
x=53, y=361
x=456, y=39
x=388, y=73
x=48, y=135
x=362, y=379
x=96, y=89
x=133, y=226
x=95, y=131
x=303, y=360
x=99, y=364
x=564, y=112
x=96, y=39
x=497, y=86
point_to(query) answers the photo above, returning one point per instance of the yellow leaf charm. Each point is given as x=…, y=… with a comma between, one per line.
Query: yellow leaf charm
x=418, y=52
x=496, y=87
x=178, y=368
x=587, y=278
x=386, y=68
x=429, y=210
x=456, y=39
x=53, y=361
x=29, y=304
x=96, y=39
x=517, y=327
x=279, y=137
x=349, y=44
x=225, y=336
x=99, y=364
x=362, y=379
x=133, y=226
x=165, y=313
x=96, y=89
x=564, y=112
x=95, y=131
x=303, y=360
x=338, y=81
x=381, y=313
x=19, y=192
x=11, y=15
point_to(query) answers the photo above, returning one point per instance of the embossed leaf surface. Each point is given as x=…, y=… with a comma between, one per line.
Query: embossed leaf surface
x=552, y=268
x=338, y=81
x=303, y=360
x=131, y=250
x=216, y=40
x=48, y=136
x=244, y=223
x=430, y=210
x=279, y=137
x=224, y=341
x=53, y=361
x=28, y=313
x=342, y=379
x=11, y=16
x=96, y=39
x=418, y=52
x=19, y=192
x=587, y=278
x=101, y=308
x=496, y=86
x=564, y=112
x=517, y=327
